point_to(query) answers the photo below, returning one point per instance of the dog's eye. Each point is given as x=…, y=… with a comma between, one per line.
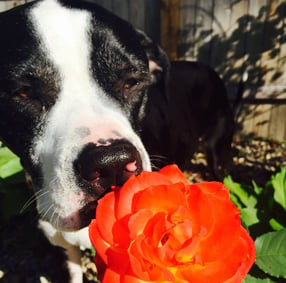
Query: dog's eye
x=23, y=94
x=27, y=95
x=129, y=84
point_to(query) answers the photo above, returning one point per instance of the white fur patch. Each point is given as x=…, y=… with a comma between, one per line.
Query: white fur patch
x=64, y=35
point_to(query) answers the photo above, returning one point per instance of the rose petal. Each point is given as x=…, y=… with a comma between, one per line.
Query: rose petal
x=97, y=241
x=187, y=254
x=221, y=235
x=228, y=269
x=118, y=260
x=175, y=174
x=100, y=266
x=105, y=210
x=161, y=198
x=149, y=243
x=135, y=185
x=180, y=234
x=199, y=210
x=138, y=221
x=215, y=189
x=218, y=217
x=121, y=233
x=114, y=257
x=145, y=269
x=249, y=258
x=111, y=276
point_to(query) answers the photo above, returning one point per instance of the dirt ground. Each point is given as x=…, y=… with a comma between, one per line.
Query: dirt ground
x=255, y=159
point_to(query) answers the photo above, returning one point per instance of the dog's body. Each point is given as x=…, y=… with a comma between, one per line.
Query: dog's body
x=74, y=82
x=191, y=108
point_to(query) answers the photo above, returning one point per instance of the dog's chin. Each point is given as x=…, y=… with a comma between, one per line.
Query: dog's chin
x=75, y=221
x=87, y=213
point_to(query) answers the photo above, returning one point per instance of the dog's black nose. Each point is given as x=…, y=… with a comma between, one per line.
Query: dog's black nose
x=101, y=168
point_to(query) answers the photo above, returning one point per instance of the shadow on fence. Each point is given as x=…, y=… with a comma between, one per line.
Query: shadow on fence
x=256, y=47
x=244, y=49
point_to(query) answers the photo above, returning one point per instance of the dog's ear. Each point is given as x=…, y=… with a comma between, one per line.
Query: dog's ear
x=158, y=60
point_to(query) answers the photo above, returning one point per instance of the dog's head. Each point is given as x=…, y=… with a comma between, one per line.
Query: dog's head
x=73, y=84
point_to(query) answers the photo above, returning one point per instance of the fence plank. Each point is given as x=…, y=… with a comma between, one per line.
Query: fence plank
x=205, y=22
x=136, y=13
x=152, y=19
x=246, y=121
x=8, y=4
x=187, y=29
x=170, y=17
x=261, y=120
x=121, y=9
x=277, y=129
x=220, y=26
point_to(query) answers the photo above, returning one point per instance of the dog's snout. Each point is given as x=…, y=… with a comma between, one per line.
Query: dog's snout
x=102, y=168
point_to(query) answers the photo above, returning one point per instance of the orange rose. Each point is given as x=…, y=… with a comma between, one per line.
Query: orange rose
x=160, y=228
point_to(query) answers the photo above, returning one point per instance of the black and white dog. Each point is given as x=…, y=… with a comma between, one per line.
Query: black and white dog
x=73, y=85
x=74, y=82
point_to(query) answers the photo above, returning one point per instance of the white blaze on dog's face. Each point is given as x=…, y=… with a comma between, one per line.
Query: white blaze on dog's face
x=100, y=83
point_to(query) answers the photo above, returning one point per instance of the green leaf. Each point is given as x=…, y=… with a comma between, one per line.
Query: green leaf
x=278, y=182
x=250, y=279
x=258, y=190
x=275, y=225
x=249, y=216
x=240, y=192
x=236, y=201
x=93, y=251
x=271, y=253
x=9, y=163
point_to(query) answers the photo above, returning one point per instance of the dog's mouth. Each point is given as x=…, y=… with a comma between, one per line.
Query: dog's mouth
x=87, y=213
x=100, y=169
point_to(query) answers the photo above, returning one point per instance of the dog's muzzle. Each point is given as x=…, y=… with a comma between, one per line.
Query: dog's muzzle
x=102, y=168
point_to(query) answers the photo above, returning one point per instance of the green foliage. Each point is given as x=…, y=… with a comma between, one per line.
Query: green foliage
x=244, y=199
x=250, y=279
x=263, y=212
x=279, y=185
x=271, y=253
x=9, y=163
x=13, y=189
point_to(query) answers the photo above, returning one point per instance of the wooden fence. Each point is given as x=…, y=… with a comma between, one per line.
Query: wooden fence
x=234, y=37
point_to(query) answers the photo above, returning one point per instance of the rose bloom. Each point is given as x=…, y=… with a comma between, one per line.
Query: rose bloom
x=160, y=228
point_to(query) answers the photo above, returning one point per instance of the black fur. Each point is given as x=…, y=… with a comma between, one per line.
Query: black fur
x=196, y=111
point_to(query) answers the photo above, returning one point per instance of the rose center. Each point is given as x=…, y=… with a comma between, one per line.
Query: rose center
x=164, y=239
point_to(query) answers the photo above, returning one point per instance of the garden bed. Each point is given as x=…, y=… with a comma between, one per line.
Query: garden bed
x=26, y=256
x=255, y=159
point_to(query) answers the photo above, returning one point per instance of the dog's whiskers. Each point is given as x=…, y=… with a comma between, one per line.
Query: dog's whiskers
x=45, y=210
x=54, y=181
x=55, y=217
x=158, y=159
x=33, y=199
